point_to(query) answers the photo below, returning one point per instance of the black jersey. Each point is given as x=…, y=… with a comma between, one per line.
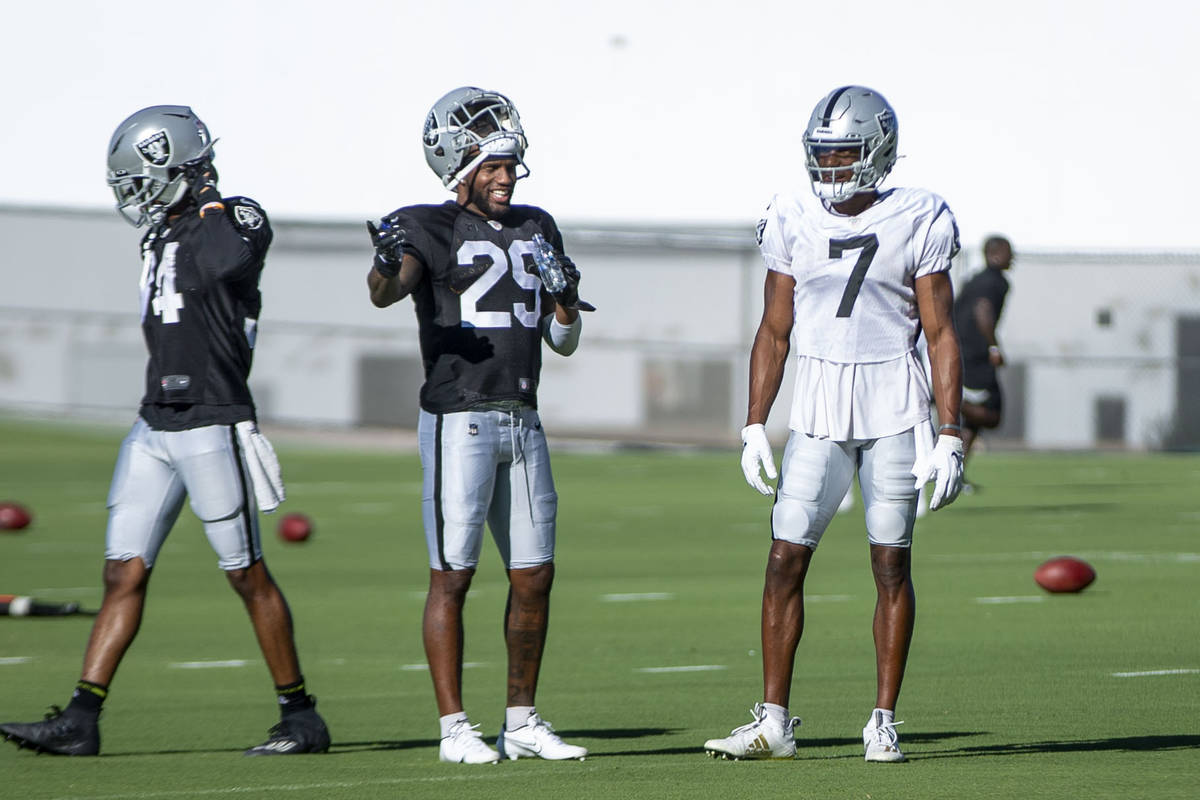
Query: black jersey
x=990, y=285
x=481, y=343
x=200, y=306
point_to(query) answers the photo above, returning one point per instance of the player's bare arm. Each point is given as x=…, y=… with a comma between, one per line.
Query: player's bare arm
x=386, y=290
x=771, y=344
x=935, y=304
x=985, y=317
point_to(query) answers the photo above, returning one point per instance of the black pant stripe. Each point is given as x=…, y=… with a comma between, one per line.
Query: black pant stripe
x=246, y=521
x=439, y=519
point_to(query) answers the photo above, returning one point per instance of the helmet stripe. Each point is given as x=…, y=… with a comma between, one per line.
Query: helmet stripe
x=827, y=116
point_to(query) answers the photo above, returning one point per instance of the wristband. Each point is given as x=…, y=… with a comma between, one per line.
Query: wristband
x=995, y=348
x=214, y=205
x=950, y=427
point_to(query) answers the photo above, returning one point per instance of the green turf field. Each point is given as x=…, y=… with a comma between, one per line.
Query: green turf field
x=1010, y=693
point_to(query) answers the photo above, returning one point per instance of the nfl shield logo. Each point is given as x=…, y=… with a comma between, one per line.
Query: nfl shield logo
x=155, y=149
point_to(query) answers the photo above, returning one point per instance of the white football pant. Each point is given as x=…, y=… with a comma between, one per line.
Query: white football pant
x=490, y=466
x=156, y=470
x=817, y=473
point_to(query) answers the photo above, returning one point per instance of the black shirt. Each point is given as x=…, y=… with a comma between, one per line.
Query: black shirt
x=481, y=343
x=990, y=285
x=200, y=307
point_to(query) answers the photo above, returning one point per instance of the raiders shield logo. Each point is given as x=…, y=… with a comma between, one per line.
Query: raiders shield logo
x=155, y=149
x=248, y=217
x=430, y=133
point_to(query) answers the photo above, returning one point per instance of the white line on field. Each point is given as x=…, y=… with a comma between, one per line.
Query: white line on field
x=423, y=667
x=232, y=662
x=7, y=660
x=1150, y=672
x=1029, y=598
x=694, y=668
x=64, y=590
x=631, y=597
x=1100, y=555
x=472, y=775
x=827, y=598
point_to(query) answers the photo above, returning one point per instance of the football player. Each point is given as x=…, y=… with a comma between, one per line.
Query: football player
x=976, y=313
x=195, y=435
x=483, y=314
x=854, y=273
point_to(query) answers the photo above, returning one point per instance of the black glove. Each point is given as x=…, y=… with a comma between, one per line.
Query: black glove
x=569, y=296
x=201, y=176
x=461, y=277
x=388, y=241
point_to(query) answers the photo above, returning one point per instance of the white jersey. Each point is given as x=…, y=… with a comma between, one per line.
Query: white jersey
x=856, y=321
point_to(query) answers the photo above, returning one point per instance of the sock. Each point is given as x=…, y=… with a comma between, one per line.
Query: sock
x=293, y=698
x=887, y=716
x=516, y=717
x=88, y=697
x=447, y=722
x=777, y=714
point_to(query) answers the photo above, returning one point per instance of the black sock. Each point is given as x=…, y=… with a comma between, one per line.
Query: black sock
x=293, y=698
x=88, y=697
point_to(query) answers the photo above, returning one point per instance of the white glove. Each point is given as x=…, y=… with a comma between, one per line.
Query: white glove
x=756, y=456
x=941, y=463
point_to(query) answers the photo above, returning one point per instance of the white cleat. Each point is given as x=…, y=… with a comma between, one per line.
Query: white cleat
x=762, y=738
x=537, y=739
x=879, y=740
x=465, y=745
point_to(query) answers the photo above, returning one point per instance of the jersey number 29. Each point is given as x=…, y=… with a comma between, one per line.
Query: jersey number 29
x=513, y=261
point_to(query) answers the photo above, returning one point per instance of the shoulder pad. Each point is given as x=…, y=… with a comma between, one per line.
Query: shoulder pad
x=245, y=213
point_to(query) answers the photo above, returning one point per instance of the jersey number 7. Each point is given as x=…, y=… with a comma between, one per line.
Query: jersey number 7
x=869, y=245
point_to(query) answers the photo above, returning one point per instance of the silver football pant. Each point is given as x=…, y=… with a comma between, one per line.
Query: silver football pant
x=817, y=472
x=490, y=466
x=156, y=470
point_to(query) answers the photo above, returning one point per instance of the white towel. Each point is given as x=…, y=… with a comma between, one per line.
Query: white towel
x=264, y=466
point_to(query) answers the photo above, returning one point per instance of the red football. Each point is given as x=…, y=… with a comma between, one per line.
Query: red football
x=1064, y=574
x=13, y=517
x=295, y=528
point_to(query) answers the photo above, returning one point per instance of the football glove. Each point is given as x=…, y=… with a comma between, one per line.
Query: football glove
x=201, y=177
x=388, y=241
x=462, y=276
x=569, y=296
x=941, y=463
x=757, y=458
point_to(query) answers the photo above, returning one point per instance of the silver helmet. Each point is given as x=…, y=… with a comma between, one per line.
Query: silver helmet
x=468, y=126
x=851, y=118
x=146, y=158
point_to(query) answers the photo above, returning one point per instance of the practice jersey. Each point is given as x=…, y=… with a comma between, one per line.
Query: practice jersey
x=856, y=320
x=990, y=285
x=200, y=304
x=481, y=343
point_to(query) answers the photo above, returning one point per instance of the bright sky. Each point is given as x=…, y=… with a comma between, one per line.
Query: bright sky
x=1064, y=125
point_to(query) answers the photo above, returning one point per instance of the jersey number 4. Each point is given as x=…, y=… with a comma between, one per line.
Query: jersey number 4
x=158, y=281
x=869, y=245
x=525, y=313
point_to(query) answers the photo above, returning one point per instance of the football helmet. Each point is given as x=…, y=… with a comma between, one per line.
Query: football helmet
x=851, y=118
x=147, y=158
x=468, y=126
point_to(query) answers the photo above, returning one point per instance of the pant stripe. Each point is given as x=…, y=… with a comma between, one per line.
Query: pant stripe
x=440, y=520
x=246, y=521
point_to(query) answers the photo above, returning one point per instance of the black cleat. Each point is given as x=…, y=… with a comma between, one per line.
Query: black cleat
x=61, y=733
x=301, y=732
